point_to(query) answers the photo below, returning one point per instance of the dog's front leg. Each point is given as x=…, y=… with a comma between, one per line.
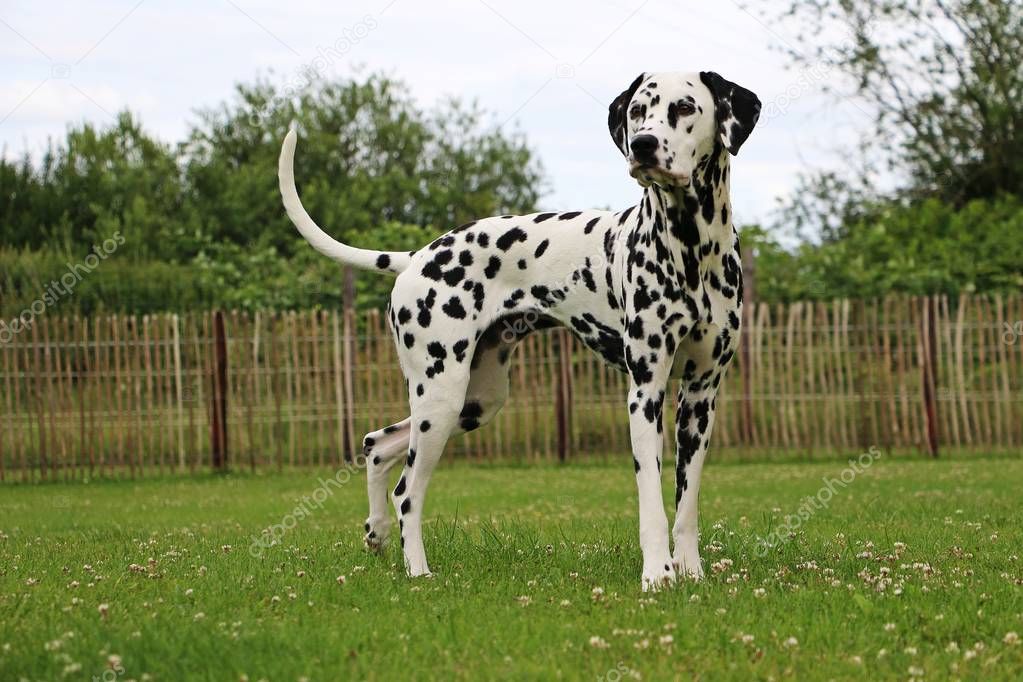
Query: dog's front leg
x=694, y=423
x=646, y=400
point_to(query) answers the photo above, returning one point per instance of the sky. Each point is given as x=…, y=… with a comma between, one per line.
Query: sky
x=548, y=69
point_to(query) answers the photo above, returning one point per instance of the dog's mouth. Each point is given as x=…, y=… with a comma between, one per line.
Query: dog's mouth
x=649, y=174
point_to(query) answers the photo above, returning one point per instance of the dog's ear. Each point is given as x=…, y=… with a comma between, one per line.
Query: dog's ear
x=618, y=115
x=735, y=108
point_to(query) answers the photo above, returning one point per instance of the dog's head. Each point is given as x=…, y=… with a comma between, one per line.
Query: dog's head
x=666, y=123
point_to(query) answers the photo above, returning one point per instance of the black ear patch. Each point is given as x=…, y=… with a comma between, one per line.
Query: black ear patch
x=618, y=115
x=736, y=109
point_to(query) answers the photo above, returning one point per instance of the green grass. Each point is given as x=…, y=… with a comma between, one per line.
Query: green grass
x=519, y=554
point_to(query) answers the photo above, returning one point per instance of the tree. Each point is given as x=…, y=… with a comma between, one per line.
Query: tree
x=368, y=156
x=945, y=83
x=371, y=166
x=95, y=183
x=203, y=222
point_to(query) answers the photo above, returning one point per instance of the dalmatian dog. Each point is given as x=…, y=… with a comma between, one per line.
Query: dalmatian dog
x=656, y=290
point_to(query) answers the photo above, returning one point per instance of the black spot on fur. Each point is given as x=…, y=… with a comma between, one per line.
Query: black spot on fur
x=436, y=349
x=454, y=308
x=505, y=241
x=469, y=418
x=493, y=266
x=459, y=349
x=453, y=276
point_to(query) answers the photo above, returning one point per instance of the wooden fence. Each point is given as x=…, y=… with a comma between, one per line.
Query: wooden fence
x=132, y=395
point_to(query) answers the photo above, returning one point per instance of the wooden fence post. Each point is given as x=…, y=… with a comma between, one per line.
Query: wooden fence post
x=749, y=301
x=218, y=424
x=349, y=357
x=563, y=396
x=929, y=366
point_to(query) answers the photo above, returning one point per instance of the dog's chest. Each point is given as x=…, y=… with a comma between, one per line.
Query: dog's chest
x=710, y=346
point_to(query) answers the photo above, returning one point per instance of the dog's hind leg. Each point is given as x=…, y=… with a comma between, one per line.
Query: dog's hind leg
x=488, y=386
x=383, y=449
x=485, y=396
x=434, y=418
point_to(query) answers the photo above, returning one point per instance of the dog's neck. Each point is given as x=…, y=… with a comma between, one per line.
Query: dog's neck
x=697, y=217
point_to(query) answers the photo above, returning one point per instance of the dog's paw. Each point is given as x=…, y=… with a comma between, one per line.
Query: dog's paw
x=375, y=537
x=658, y=577
x=374, y=543
x=688, y=568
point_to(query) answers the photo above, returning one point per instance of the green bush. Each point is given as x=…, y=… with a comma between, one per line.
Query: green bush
x=923, y=248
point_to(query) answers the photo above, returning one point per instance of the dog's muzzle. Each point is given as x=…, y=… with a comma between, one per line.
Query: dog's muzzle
x=644, y=167
x=650, y=174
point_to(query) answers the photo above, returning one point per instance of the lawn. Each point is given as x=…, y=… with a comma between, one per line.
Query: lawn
x=911, y=570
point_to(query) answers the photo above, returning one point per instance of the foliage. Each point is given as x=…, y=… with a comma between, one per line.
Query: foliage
x=203, y=223
x=367, y=157
x=943, y=78
x=925, y=248
x=943, y=81
x=117, y=284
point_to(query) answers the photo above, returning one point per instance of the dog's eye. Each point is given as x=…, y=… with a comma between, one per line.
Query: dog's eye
x=637, y=111
x=685, y=108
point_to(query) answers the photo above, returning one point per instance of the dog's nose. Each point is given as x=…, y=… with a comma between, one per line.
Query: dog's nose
x=643, y=147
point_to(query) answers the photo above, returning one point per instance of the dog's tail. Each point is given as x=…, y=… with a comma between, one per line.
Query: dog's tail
x=366, y=259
